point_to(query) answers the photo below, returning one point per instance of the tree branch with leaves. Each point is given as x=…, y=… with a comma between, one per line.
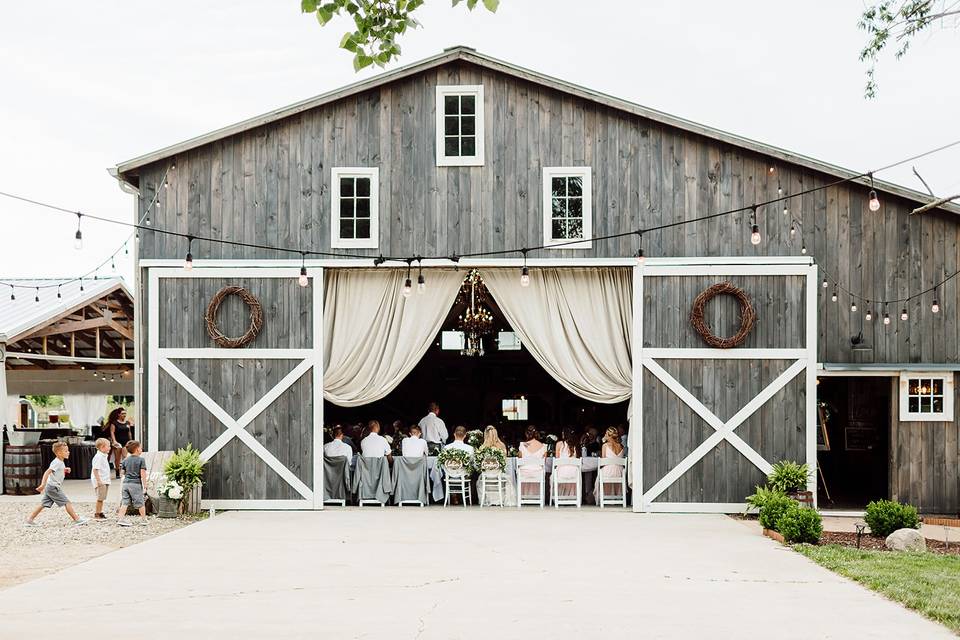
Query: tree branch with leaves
x=898, y=21
x=378, y=24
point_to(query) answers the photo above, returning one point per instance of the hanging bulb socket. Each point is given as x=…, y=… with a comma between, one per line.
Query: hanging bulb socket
x=421, y=284
x=803, y=249
x=904, y=315
x=874, y=204
x=302, y=279
x=13, y=295
x=755, y=238
x=524, y=277
x=824, y=284
x=78, y=236
x=36, y=297
x=886, y=318
x=407, y=288
x=935, y=307
x=853, y=307
x=188, y=260
x=834, y=297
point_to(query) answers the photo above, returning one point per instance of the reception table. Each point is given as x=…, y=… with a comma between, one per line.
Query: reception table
x=80, y=460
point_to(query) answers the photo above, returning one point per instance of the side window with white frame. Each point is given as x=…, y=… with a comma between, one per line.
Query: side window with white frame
x=459, y=125
x=926, y=397
x=355, y=207
x=567, y=207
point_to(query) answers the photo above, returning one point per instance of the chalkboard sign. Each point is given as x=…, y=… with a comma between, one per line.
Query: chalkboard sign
x=823, y=438
x=860, y=439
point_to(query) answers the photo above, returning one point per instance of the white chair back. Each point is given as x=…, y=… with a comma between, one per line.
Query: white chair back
x=603, y=483
x=577, y=498
x=531, y=471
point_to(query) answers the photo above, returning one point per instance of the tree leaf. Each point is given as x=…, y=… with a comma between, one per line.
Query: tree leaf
x=491, y=5
x=323, y=16
x=360, y=61
x=308, y=6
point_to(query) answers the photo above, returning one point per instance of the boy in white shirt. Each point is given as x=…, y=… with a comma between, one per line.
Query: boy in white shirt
x=413, y=446
x=100, y=475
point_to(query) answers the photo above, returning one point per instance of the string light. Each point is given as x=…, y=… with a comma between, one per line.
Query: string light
x=803, y=249
x=904, y=315
x=886, y=316
x=641, y=258
x=853, y=307
x=786, y=209
x=302, y=279
x=868, y=316
x=188, y=261
x=36, y=298
x=58, y=292
x=755, y=230
x=935, y=307
x=78, y=237
x=824, y=284
x=421, y=283
x=13, y=296
x=524, y=273
x=834, y=297
x=408, y=285
x=793, y=229
x=874, y=203
x=81, y=284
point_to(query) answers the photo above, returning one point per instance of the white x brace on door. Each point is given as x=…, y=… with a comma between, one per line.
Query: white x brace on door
x=804, y=361
x=309, y=359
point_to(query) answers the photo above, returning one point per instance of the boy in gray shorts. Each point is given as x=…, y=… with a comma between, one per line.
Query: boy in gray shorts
x=134, y=481
x=51, y=487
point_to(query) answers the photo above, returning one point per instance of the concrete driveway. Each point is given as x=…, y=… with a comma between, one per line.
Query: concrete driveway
x=454, y=573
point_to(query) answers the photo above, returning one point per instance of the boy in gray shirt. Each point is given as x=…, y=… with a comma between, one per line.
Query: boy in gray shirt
x=134, y=481
x=51, y=487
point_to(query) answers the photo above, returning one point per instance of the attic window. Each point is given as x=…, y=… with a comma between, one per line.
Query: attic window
x=926, y=397
x=567, y=207
x=459, y=125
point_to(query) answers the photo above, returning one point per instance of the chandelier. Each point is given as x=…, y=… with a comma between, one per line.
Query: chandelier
x=476, y=321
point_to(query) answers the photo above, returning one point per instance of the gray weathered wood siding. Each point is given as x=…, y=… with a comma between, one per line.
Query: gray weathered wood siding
x=924, y=461
x=671, y=429
x=271, y=185
x=285, y=428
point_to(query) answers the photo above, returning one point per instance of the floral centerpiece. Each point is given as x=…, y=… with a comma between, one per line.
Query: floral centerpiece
x=455, y=462
x=171, y=493
x=489, y=460
x=474, y=438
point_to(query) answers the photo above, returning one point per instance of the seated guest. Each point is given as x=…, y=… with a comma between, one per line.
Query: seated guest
x=567, y=476
x=530, y=448
x=413, y=446
x=337, y=447
x=458, y=435
x=591, y=441
x=374, y=445
x=611, y=449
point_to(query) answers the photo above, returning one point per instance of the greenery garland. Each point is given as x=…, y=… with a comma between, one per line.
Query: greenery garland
x=455, y=461
x=489, y=459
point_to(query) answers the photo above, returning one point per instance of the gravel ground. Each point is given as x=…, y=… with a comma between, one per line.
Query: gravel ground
x=30, y=552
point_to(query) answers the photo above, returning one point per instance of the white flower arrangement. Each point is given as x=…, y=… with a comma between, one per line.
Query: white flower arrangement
x=474, y=438
x=489, y=459
x=455, y=462
x=170, y=489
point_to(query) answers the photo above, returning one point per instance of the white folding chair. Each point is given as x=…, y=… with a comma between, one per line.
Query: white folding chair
x=612, y=499
x=457, y=483
x=555, y=482
x=493, y=481
x=531, y=465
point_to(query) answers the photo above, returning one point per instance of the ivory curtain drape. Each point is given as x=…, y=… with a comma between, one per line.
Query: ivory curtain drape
x=84, y=408
x=575, y=322
x=373, y=336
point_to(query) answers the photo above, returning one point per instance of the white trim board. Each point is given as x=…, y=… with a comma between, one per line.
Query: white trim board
x=263, y=505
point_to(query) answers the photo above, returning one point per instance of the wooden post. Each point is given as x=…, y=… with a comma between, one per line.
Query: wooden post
x=97, y=333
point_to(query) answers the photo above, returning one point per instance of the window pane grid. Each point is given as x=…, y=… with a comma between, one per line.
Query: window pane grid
x=925, y=395
x=567, y=207
x=460, y=125
x=355, y=208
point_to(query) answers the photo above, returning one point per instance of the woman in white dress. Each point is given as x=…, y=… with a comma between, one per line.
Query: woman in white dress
x=566, y=476
x=611, y=449
x=531, y=448
x=492, y=439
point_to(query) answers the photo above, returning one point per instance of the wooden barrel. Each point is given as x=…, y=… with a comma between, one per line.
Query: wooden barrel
x=21, y=470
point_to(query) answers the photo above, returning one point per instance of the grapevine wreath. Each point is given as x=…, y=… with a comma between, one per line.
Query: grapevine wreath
x=747, y=315
x=256, y=317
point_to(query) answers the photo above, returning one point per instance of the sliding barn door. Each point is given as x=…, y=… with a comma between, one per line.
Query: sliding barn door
x=713, y=421
x=254, y=412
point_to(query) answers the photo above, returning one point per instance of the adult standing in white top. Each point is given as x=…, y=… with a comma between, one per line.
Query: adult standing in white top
x=458, y=435
x=375, y=445
x=433, y=428
x=413, y=446
x=337, y=447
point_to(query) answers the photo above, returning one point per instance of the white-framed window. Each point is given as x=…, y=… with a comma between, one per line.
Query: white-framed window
x=459, y=125
x=355, y=207
x=926, y=397
x=567, y=207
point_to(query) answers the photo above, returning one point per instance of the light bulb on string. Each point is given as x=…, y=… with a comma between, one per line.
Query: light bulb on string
x=793, y=229
x=786, y=209
x=853, y=307
x=13, y=296
x=81, y=284
x=904, y=315
x=78, y=236
x=188, y=260
x=755, y=238
x=868, y=316
x=524, y=272
x=935, y=307
x=886, y=316
x=803, y=249
x=421, y=282
x=834, y=297
x=408, y=284
x=126, y=250
x=113, y=264
x=58, y=292
x=874, y=204
x=641, y=258
x=824, y=284
x=302, y=279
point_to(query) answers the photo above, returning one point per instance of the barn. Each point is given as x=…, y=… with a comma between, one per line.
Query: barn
x=734, y=303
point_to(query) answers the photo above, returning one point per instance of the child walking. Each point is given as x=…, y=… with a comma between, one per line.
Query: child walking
x=51, y=487
x=100, y=475
x=134, y=482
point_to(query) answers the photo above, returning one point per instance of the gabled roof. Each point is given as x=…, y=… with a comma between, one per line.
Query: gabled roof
x=25, y=315
x=125, y=170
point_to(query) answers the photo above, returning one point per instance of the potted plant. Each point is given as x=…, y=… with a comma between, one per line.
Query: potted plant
x=171, y=493
x=791, y=478
x=185, y=467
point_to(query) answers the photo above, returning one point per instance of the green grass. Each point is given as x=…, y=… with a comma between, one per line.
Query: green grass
x=928, y=583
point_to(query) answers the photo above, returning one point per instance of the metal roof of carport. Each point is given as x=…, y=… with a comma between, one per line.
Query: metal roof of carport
x=124, y=171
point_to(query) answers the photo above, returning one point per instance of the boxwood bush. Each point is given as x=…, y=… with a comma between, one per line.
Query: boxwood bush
x=797, y=524
x=886, y=516
x=773, y=507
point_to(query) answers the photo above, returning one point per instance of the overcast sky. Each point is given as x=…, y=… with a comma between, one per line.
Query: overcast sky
x=85, y=85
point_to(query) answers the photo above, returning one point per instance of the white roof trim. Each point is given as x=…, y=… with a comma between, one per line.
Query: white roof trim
x=470, y=55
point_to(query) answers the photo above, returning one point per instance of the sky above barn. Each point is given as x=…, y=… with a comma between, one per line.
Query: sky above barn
x=84, y=86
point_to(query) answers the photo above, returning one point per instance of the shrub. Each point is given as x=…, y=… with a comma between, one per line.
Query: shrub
x=886, y=516
x=760, y=497
x=788, y=476
x=185, y=467
x=800, y=525
x=774, y=507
